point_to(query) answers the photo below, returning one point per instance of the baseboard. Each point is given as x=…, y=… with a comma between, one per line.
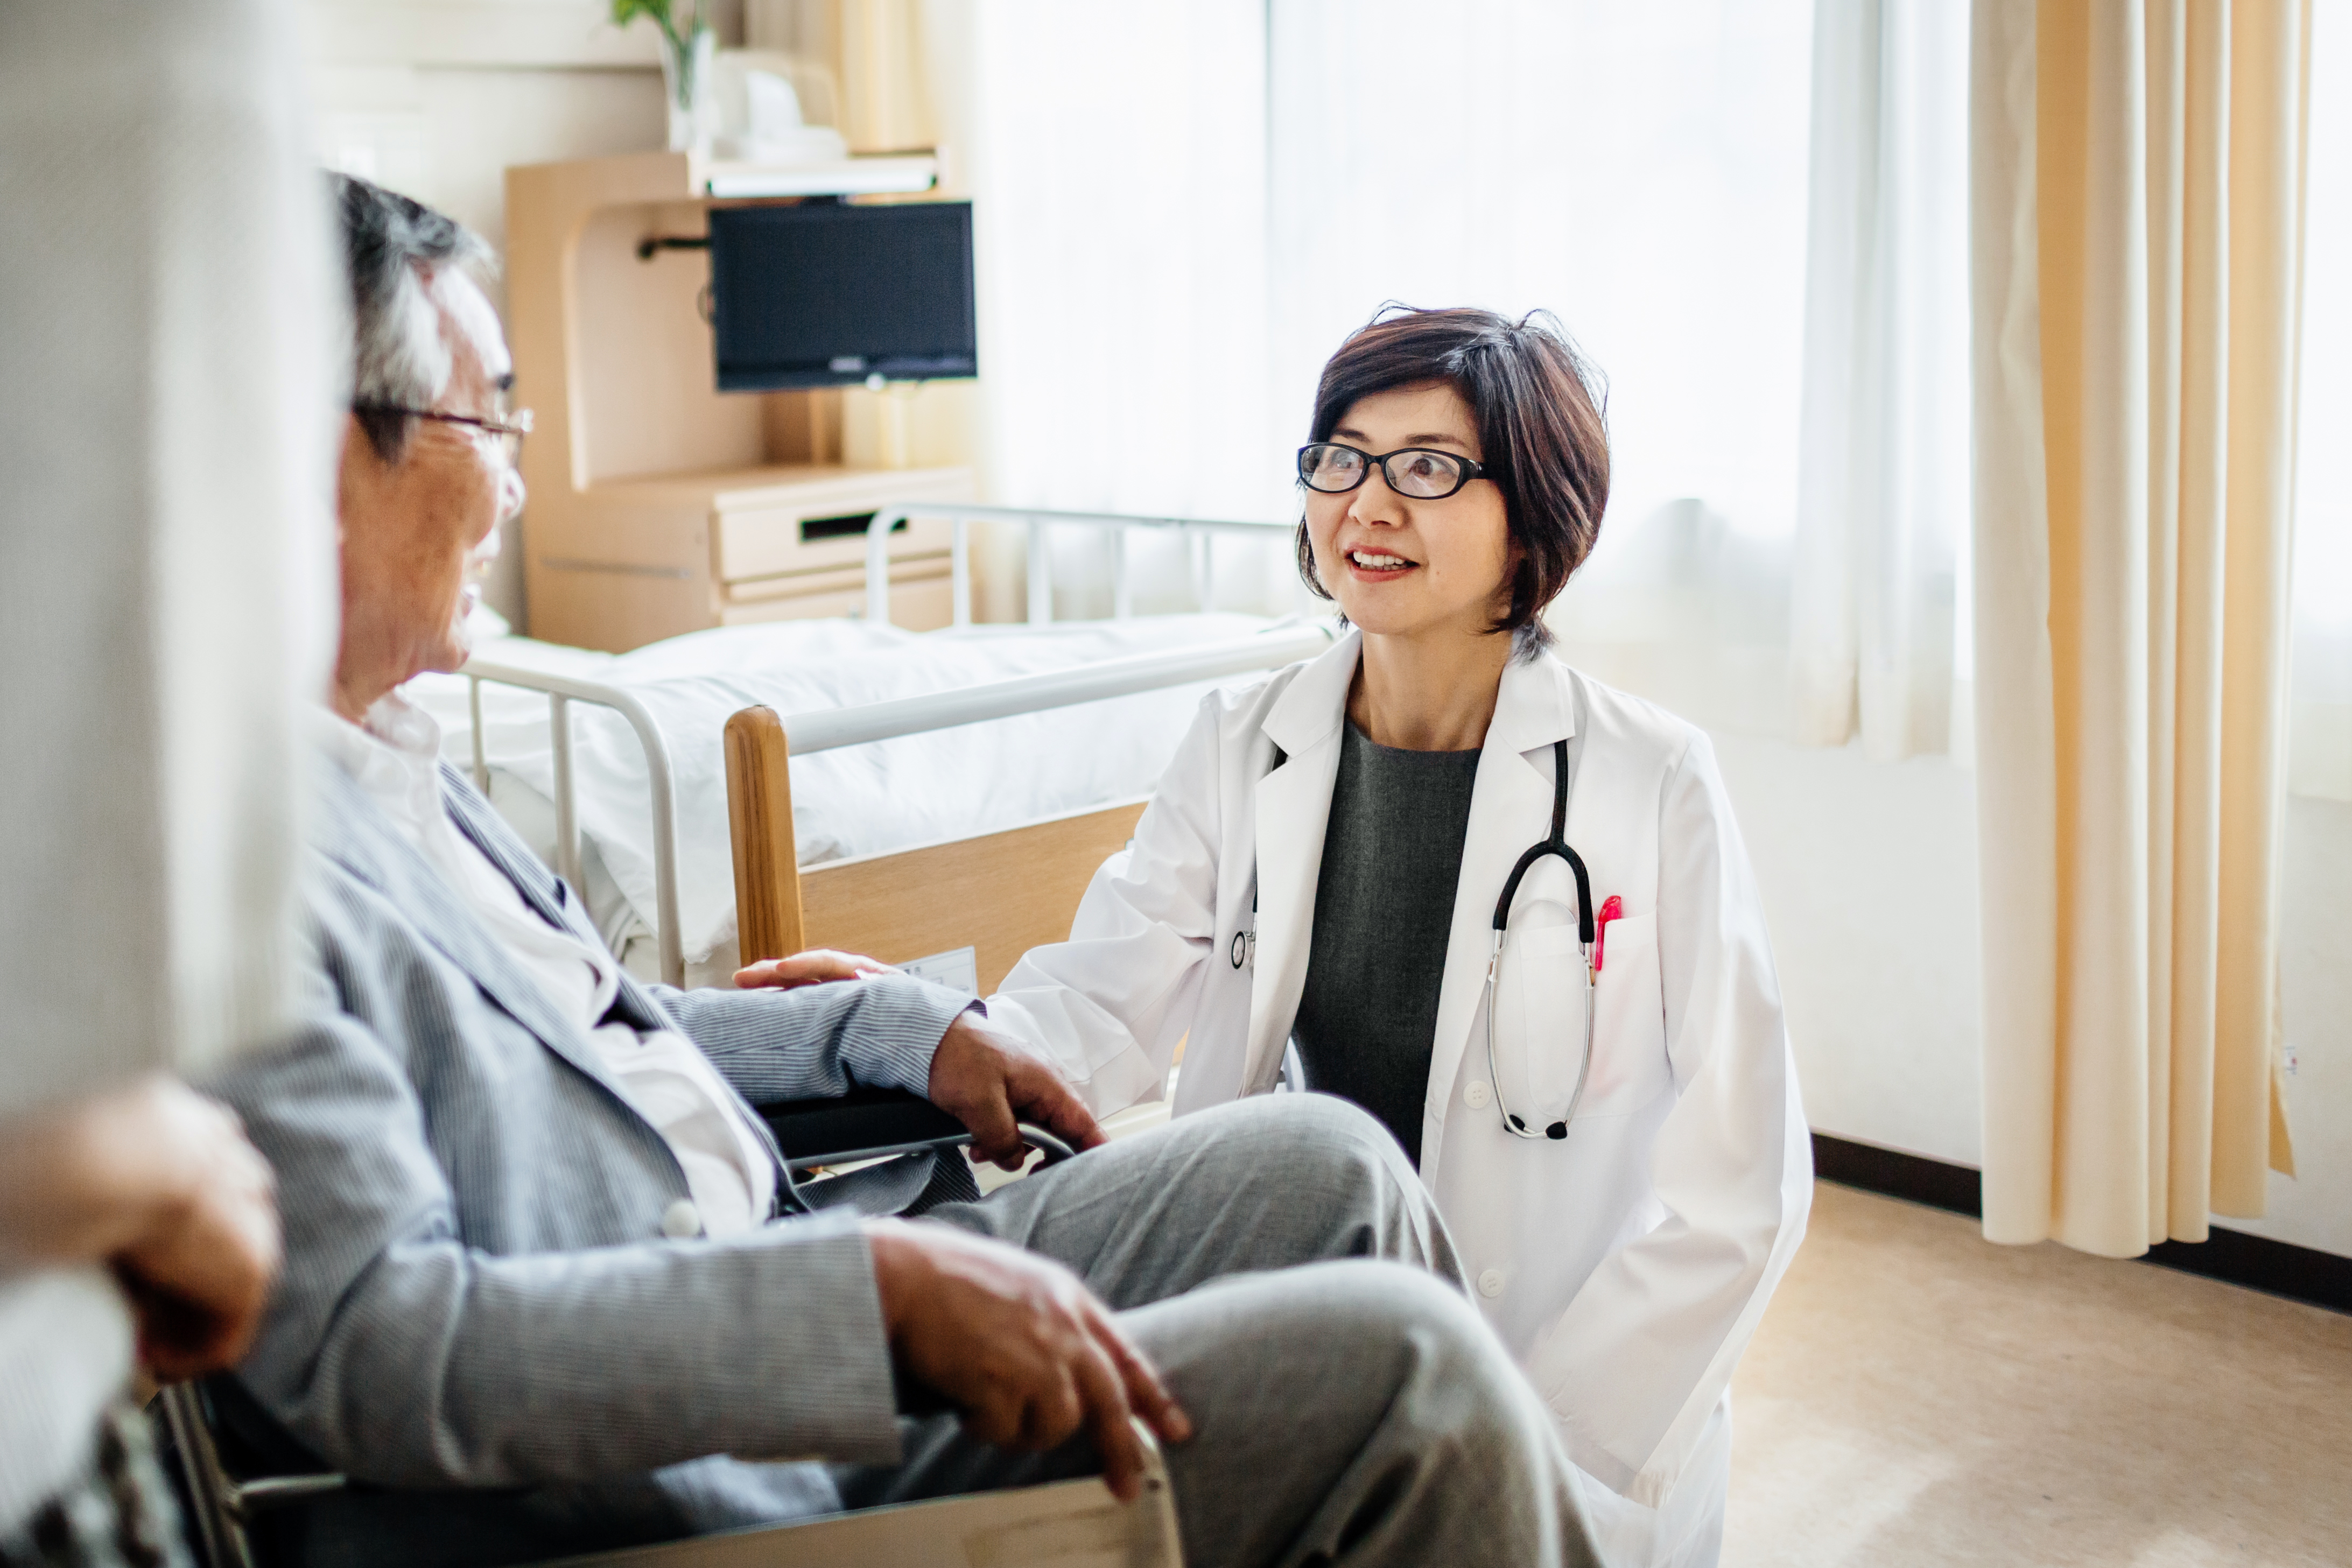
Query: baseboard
x=1914, y=1178
x=2275, y=1268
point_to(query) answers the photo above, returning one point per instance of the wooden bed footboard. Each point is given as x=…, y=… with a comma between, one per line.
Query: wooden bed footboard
x=1000, y=893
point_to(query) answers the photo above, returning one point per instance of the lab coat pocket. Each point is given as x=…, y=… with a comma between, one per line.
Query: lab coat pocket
x=1542, y=1038
x=1629, y=1037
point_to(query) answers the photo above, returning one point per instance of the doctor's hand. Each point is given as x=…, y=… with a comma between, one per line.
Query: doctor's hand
x=1019, y=1344
x=813, y=967
x=983, y=1078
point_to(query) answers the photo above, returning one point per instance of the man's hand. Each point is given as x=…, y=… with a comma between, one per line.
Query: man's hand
x=1019, y=1344
x=981, y=1076
x=813, y=967
x=158, y=1182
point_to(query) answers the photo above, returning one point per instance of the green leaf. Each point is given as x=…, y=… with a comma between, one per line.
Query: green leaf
x=627, y=11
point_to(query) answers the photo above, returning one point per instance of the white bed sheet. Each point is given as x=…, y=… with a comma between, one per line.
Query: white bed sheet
x=851, y=802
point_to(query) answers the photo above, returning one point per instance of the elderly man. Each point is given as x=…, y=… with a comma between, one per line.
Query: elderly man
x=535, y=1288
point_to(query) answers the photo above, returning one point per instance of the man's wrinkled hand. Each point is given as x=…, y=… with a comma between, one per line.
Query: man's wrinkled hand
x=983, y=1078
x=1019, y=1344
x=814, y=967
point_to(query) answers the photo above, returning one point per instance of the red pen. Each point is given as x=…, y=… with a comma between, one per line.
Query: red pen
x=1611, y=908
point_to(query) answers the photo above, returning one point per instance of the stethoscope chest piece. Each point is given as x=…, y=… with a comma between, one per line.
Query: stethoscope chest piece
x=1556, y=846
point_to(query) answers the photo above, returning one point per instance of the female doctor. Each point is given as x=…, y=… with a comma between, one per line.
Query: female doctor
x=1618, y=1150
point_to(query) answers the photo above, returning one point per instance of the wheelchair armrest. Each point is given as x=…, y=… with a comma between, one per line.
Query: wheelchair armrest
x=865, y=1124
x=861, y=1123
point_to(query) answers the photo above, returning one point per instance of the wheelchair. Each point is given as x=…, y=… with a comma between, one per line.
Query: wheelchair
x=235, y=1479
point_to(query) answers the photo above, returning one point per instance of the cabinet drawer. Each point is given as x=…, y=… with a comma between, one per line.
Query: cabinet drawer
x=839, y=580
x=774, y=541
x=920, y=605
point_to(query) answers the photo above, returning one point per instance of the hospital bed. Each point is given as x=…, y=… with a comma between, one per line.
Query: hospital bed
x=947, y=790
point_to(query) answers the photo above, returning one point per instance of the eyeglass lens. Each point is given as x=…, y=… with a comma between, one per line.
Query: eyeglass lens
x=1425, y=476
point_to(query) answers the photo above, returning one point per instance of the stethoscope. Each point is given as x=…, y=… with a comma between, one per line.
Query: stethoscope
x=1243, y=951
x=1555, y=845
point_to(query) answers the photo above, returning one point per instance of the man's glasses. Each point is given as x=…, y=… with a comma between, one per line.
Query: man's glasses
x=507, y=433
x=1414, y=471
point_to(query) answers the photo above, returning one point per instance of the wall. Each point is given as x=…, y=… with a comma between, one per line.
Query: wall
x=1869, y=883
x=436, y=98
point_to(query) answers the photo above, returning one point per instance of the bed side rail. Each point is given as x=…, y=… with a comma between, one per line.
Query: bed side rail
x=562, y=690
x=1199, y=534
x=1268, y=650
x=828, y=728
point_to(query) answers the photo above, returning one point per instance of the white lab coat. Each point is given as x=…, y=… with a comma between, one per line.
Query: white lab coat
x=1625, y=1266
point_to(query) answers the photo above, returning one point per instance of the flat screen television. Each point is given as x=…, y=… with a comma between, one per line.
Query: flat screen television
x=826, y=294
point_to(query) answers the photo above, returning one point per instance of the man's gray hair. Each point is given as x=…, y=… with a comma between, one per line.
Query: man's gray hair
x=398, y=360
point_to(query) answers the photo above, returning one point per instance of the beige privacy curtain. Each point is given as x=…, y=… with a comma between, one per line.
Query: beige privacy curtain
x=2136, y=225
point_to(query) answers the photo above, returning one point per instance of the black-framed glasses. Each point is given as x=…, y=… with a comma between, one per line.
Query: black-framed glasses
x=1415, y=471
x=508, y=432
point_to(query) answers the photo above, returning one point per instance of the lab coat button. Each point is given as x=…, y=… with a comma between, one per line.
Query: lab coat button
x=1490, y=1283
x=681, y=1220
x=1477, y=1095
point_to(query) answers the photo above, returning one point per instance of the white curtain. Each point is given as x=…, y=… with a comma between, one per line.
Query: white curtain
x=2320, y=731
x=1118, y=167
x=1184, y=209
x=167, y=419
x=1637, y=169
x=1883, y=494
x=167, y=426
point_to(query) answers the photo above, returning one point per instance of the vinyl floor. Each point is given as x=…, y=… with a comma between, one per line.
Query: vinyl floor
x=1917, y=1396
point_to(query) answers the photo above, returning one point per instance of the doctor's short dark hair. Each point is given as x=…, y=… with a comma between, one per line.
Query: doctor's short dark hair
x=1542, y=433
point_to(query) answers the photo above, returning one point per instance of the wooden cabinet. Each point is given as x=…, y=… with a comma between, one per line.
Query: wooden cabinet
x=658, y=504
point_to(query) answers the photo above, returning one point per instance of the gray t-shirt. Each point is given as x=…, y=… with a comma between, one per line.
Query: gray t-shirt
x=1383, y=912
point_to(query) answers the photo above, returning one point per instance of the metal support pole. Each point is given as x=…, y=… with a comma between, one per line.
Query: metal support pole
x=567, y=813
x=481, y=751
x=959, y=569
x=1041, y=578
x=877, y=562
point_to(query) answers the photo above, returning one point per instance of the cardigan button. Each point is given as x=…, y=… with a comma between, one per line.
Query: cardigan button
x=681, y=1220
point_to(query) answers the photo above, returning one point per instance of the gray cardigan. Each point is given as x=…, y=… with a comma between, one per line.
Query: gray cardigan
x=477, y=1292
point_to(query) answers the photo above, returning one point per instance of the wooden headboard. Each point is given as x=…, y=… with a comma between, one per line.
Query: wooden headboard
x=1001, y=893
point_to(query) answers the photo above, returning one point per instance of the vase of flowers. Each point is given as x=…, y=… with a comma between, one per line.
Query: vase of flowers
x=687, y=46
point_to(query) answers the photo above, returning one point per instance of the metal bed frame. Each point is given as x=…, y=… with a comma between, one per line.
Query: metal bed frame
x=823, y=730
x=1200, y=535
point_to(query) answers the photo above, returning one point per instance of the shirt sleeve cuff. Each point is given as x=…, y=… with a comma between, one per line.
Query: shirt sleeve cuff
x=898, y=1028
x=829, y=1355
